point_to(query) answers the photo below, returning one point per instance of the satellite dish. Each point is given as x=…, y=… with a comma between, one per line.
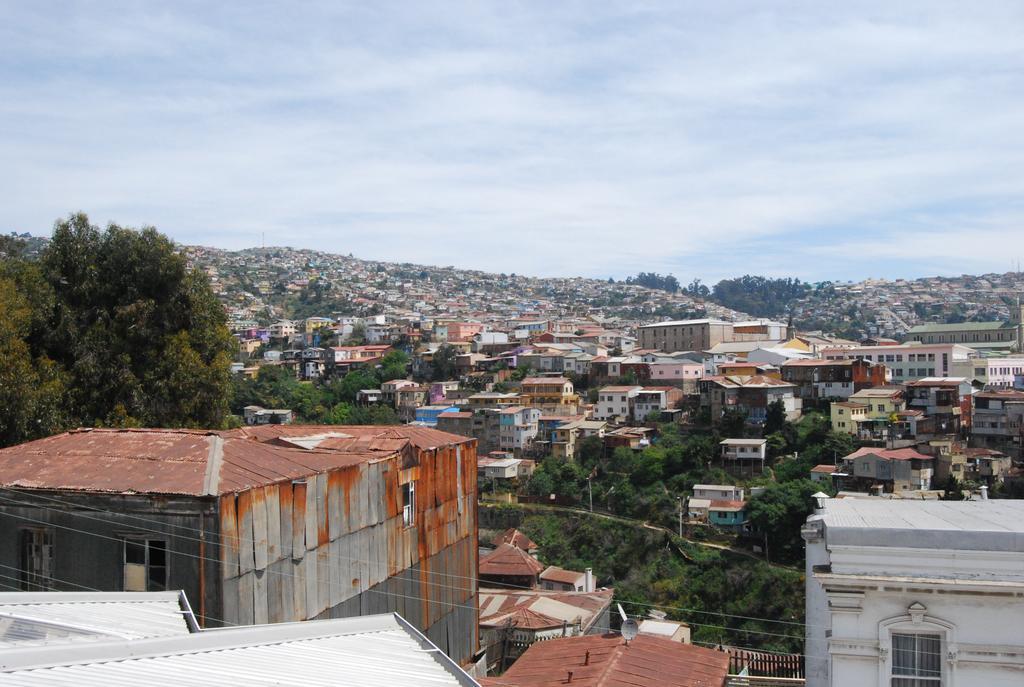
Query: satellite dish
x=630, y=629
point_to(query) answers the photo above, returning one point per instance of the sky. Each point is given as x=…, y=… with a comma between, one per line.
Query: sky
x=817, y=140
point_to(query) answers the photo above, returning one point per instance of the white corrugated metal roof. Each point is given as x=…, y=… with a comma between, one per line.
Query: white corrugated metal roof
x=990, y=525
x=365, y=651
x=43, y=618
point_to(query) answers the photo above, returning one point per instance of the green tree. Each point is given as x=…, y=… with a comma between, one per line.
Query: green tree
x=775, y=417
x=31, y=389
x=779, y=512
x=954, y=490
x=443, y=363
x=394, y=365
x=136, y=336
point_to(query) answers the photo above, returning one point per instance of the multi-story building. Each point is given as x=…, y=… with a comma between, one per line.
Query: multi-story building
x=748, y=394
x=998, y=421
x=701, y=335
x=832, y=379
x=946, y=400
x=283, y=329
x=517, y=428
x=652, y=400
x=616, y=402
x=551, y=395
x=992, y=336
x=894, y=470
x=992, y=373
x=273, y=524
x=907, y=362
x=848, y=417
x=881, y=401
x=906, y=593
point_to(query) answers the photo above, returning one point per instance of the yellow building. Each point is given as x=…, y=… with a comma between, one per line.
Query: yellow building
x=881, y=402
x=553, y=395
x=847, y=417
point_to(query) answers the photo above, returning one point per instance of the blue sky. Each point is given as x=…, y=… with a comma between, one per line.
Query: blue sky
x=819, y=140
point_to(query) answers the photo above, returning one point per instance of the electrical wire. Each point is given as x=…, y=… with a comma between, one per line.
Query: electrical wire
x=356, y=560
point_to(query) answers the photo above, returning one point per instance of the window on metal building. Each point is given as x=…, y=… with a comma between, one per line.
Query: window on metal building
x=409, y=504
x=36, y=565
x=145, y=565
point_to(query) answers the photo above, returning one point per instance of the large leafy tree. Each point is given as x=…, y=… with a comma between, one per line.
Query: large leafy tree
x=778, y=513
x=134, y=335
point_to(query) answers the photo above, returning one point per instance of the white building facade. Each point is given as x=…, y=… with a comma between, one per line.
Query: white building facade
x=915, y=593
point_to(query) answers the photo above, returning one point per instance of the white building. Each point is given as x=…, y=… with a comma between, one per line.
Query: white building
x=615, y=401
x=915, y=593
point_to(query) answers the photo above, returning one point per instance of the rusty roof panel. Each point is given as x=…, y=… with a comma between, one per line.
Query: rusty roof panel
x=606, y=661
x=202, y=463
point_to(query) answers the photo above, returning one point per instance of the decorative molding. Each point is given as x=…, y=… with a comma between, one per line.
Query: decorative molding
x=917, y=611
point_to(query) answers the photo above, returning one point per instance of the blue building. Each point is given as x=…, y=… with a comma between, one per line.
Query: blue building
x=428, y=414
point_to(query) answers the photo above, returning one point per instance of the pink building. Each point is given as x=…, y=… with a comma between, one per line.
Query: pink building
x=464, y=331
x=675, y=371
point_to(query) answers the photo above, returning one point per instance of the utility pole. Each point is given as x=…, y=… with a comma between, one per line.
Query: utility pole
x=590, y=490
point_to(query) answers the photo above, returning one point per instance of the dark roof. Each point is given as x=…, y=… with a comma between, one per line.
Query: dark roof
x=201, y=463
x=648, y=661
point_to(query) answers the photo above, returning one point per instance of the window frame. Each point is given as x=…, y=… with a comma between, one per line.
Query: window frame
x=917, y=622
x=409, y=505
x=145, y=540
x=29, y=578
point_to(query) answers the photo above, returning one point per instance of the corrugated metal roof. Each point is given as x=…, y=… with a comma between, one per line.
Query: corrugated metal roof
x=177, y=461
x=45, y=618
x=498, y=605
x=606, y=661
x=366, y=651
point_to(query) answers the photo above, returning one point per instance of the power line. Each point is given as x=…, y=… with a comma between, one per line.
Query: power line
x=357, y=560
x=385, y=593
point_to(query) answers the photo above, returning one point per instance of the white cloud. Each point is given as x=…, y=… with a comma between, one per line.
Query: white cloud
x=536, y=138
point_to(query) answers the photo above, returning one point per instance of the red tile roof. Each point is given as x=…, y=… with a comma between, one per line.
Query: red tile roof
x=889, y=454
x=606, y=661
x=509, y=560
x=725, y=504
x=515, y=538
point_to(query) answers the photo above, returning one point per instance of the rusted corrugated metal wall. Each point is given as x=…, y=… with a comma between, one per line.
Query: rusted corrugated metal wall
x=335, y=545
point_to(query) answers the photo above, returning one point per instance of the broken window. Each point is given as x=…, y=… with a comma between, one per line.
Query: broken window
x=145, y=565
x=409, y=504
x=36, y=569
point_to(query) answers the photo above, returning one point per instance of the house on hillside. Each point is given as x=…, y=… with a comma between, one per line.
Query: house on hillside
x=510, y=566
x=892, y=470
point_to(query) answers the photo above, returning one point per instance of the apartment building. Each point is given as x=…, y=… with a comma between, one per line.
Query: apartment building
x=701, y=335
x=907, y=361
x=833, y=378
x=615, y=402
x=999, y=421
